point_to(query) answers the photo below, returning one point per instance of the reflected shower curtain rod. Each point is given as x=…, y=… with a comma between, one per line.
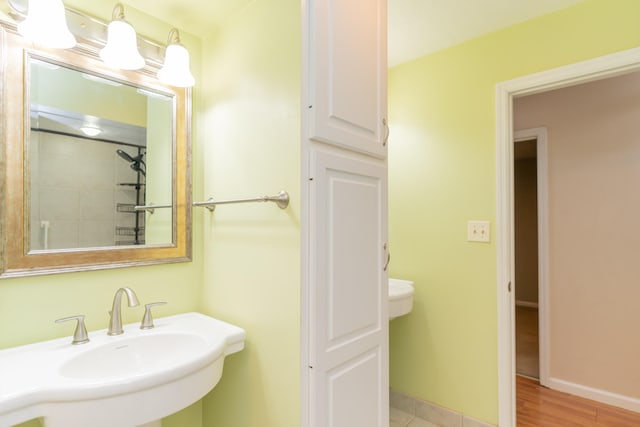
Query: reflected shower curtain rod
x=282, y=200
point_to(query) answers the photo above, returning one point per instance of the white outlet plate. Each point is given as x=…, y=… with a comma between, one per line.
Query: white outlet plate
x=479, y=231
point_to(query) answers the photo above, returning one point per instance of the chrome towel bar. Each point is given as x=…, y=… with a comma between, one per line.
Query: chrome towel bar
x=282, y=200
x=150, y=207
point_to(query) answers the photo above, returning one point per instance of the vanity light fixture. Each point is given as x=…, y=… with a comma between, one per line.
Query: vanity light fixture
x=175, y=70
x=49, y=23
x=46, y=25
x=121, y=50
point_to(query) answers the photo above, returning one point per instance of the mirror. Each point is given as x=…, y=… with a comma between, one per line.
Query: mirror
x=97, y=164
x=91, y=159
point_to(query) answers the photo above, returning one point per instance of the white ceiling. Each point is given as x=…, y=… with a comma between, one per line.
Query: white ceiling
x=419, y=27
x=199, y=17
x=416, y=27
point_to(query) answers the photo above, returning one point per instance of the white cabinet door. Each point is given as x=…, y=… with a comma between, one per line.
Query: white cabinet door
x=347, y=99
x=348, y=366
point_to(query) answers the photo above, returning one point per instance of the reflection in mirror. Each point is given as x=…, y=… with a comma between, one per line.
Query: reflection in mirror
x=88, y=159
x=85, y=149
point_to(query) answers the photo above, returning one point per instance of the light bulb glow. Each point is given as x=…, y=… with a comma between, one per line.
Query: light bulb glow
x=46, y=25
x=91, y=130
x=175, y=70
x=121, y=50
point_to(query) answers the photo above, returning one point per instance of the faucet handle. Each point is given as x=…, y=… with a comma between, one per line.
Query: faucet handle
x=80, y=335
x=147, y=319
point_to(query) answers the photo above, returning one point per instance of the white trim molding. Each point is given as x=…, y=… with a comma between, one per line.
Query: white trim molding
x=598, y=395
x=540, y=134
x=581, y=72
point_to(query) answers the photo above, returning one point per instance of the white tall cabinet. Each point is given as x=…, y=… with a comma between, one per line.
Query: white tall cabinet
x=345, y=375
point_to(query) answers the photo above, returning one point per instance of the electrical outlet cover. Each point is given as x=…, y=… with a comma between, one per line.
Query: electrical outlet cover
x=479, y=231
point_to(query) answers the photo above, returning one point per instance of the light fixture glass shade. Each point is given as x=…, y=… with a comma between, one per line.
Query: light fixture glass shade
x=121, y=50
x=46, y=25
x=175, y=70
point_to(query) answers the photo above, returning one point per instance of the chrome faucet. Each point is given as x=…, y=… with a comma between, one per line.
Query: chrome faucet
x=115, y=324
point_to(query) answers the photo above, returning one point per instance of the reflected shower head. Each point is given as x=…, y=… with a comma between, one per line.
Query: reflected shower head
x=138, y=168
x=136, y=163
x=125, y=155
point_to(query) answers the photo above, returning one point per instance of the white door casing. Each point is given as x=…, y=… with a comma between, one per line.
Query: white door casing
x=582, y=72
x=348, y=364
x=540, y=135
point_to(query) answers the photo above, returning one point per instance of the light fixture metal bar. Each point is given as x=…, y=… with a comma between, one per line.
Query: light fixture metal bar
x=91, y=33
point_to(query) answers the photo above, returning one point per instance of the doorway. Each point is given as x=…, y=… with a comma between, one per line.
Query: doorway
x=525, y=191
x=531, y=278
x=608, y=66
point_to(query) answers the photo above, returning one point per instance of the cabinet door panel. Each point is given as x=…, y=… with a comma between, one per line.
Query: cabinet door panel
x=348, y=69
x=349, y=366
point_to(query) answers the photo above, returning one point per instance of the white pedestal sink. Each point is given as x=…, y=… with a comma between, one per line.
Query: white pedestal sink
x=126, y=380
x=400, y=297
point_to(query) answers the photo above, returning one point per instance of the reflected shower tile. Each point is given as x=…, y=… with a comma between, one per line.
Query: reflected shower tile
x=97, y=205
x=96, y=233
x=59, y=171
x=58, y=145
x=59, y=204
x=35, y=236
x=63, y=234
x=128, y=195
x=97, y=174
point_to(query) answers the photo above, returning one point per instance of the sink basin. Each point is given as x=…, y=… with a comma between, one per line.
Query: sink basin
x=400, y=297
x=126, y=380
x=140, y=354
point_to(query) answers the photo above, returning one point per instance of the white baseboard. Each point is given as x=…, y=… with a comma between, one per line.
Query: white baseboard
x=626, y=402
x=526, y=304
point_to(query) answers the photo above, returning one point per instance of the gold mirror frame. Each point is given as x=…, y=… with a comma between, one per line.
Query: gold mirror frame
x=15, y=259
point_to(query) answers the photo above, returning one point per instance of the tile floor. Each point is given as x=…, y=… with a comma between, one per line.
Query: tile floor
x=398, y=418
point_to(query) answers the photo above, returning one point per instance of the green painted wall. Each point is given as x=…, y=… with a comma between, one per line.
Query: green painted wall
x=158, y=225
x=252, y=251
x=51, y=87
x=442, y=173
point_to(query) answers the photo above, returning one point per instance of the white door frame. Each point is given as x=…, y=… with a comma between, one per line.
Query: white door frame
x=540, y=135
x=581, y=72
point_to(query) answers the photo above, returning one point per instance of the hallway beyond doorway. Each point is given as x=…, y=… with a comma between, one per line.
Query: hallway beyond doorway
x=539, y=406
x=527, y=343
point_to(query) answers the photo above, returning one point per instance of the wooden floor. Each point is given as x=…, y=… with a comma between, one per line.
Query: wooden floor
x=541, y=407
x=527, y=343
